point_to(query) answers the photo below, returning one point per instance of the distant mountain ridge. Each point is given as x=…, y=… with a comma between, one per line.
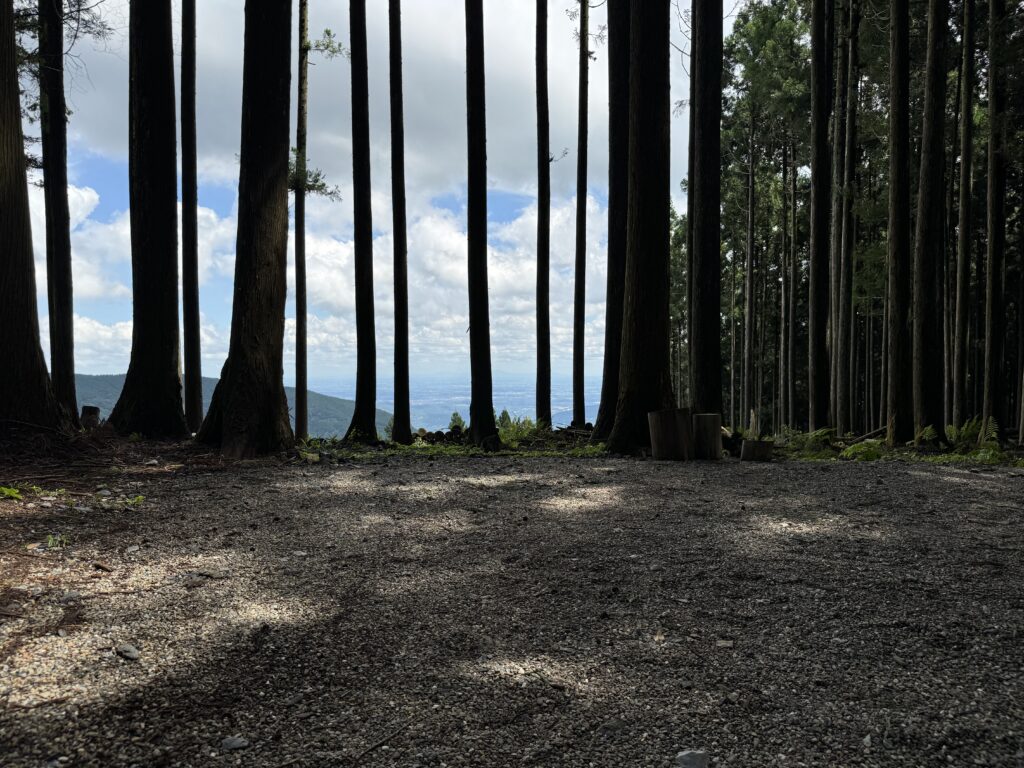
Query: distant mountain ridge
x=328, y=416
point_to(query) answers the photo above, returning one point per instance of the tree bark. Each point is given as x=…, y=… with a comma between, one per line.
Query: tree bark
x=963, y=250
x=249, y=412
x=26, y=393
x=579, y=410
x=706, y=331
x=793, y=281
x=845, y=402
x=784, y=317
x=482, y=427
x=899, y=395
x=53, y=129
x=402, y=429
x=301, y=327
x=841, y=92
x=749, y=299
x=818, y=293
x=150, y=402
x=193, y=394
x=364, y=417
x=618, y=202
x=544, y=227
x=928, y=245
x=996, y=211
x=645, y=382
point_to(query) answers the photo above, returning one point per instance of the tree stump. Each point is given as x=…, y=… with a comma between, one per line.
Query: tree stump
x=671, y=434
x=756, y=450
x=90, y=417
x=707, y=436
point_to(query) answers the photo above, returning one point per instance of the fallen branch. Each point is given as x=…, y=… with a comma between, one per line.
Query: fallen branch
x=377, y=744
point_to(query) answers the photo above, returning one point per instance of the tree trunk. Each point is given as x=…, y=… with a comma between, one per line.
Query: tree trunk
x=301, y=375
x=579, y=408
x=845, y=401
x=749, y=298
x=249, y=412
x=671, y=434
x=733, y=420
x=842, y=72
x=402, y=429
x=899, y=395
x=996, y=224
x=618, y=202
x=793, y=281
x=928, y=244
x=963, y=250
x=544, y=228
x=690, y=160
x=150, y=402
x=707, y=436
x=364, y=418
x=481, y=409
x=26, y=393
x=706, y=331
x=190, y=223
x=53, y=129
x=818, y=292
x=645, y=382
x=784, y=316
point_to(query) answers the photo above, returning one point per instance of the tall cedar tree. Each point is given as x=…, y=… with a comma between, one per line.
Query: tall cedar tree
x=543, y=221
x=645, y=379
x=846, y=336
x=749, y=296
x=818, y=291
x=899, y=390
x=996, y=210
x=150, y=401
x=190, y=222
x=364, y=419
x=401, y=431
x=26, y=393
x=300, y=180
x=249, y=412
x=706, y=294
x=579, y=311
x=929, y=247
x=794, y=270
x=618, y=202
x=838, y=141
x=53, y=128
x=963, y=248
x=481, y=408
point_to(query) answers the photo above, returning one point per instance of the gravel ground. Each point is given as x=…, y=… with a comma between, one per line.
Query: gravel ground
x=509, y=611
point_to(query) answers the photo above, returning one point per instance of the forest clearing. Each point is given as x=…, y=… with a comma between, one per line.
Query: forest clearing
x=514, y=611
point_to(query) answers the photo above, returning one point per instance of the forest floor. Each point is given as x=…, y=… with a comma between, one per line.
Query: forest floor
x=506, y=611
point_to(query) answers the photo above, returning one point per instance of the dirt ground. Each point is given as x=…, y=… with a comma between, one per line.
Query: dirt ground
x=510, y=611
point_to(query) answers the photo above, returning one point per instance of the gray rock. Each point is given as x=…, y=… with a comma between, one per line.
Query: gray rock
x=232, y=743
x=692, y=758
x=127, y=651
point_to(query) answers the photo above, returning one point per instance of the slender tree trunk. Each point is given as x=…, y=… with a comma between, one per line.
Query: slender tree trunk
x=845, y=403
x=706, y=331
x=899, y=394
x=818, y=293
x=618, y=203
x=948, y=256
x=150, y=402
x=544, y=229
x=733, y=419
x=579, y=407
x=928, y=244
x=54, y=133
x=690, y=271
x=784, y=316
x=190, y=223
x=837, y=351
x=883, y=382
x=963, y=251
x=645, y=382
x=249, y=412
x=26, y=393
x=364, y=418
x=481, y=409
x=402, y=430
x=301, y=334
x=749, y=297
x=794, y=273
x=995, y=319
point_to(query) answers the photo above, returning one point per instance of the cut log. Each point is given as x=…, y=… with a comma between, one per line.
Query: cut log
x=707, y=436
x=90, y=417
x=671, y=434
x=756, y=450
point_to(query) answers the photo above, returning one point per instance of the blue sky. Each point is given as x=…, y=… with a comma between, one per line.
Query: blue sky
x=436, y=166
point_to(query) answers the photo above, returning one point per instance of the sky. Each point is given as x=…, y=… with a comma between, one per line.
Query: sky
x=435, y=129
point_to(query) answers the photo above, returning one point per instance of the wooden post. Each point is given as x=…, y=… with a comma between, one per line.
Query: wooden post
x=671, y=434
x=707, y=436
